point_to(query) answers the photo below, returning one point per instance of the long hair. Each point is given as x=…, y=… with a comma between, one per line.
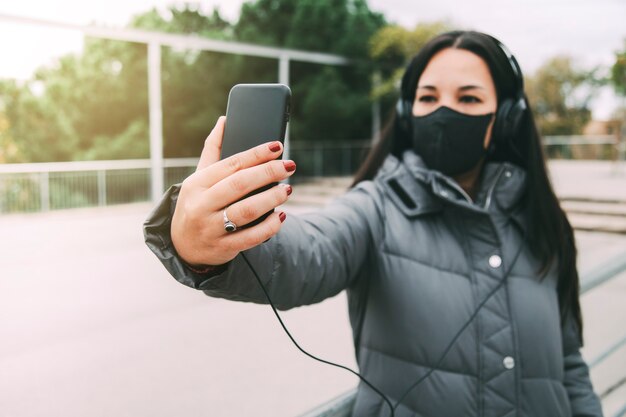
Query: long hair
x=550, y=236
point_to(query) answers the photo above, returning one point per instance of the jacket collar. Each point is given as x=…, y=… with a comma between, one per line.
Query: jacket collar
x=417, y=190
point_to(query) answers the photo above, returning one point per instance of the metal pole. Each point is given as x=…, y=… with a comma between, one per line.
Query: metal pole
x=376, y=118
x=347, y=161
x=608, y=270
x=102, y=188
x=614, y=348
x=156, y=120
x=44, y=191
x=319, y=160
x=283, y=78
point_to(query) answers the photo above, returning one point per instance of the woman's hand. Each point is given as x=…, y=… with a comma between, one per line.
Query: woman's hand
x=198, y=226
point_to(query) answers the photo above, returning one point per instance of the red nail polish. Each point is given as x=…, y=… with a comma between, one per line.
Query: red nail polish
x=289, y=190
x=282, y=216
x=290, y=166
x=275, y=146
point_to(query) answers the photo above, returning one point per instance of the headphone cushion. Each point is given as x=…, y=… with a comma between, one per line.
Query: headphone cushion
x=509, y=118
x=500, y=125
x=403, y=115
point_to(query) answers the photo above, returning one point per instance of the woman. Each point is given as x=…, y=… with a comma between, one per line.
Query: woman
x=459, y=264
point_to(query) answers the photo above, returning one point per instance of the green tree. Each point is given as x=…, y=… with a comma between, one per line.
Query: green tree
x=100, y=93
x=93, y=105
x=393, y=46
x=560, y=94
x=9, y=151
x=194, y=84
x=328, y=102
x=618, y=71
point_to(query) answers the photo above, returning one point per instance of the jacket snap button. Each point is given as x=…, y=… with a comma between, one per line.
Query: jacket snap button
x=508, y=362
x=507, y=174
x=444, y=193
x=495, y=261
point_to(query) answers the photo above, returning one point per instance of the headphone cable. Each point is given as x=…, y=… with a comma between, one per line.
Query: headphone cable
x=361, y=377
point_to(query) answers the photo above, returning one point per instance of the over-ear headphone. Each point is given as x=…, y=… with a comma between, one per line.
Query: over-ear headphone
x=510, y=111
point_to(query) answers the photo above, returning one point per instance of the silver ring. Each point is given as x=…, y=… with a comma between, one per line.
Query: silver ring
x=228, y=225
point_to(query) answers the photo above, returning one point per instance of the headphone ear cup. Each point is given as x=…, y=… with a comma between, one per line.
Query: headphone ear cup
x=501, y=128
x=403, y=116
x=508, y=119
x=517, y=115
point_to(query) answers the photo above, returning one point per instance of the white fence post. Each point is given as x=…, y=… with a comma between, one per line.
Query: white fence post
x=44, y=191
x=102, y=188
x=156, y=120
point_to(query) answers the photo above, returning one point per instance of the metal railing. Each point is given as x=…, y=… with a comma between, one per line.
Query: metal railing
x=610, y=147
x=155, y=41
x=63, y=185
x=52, y=186
x=341, y=406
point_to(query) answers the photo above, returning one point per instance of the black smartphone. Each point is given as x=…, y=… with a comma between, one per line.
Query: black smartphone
x=256, y=113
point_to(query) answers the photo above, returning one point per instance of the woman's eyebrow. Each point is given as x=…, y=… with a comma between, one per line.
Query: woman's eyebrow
x=463, y=88
x=470, y=87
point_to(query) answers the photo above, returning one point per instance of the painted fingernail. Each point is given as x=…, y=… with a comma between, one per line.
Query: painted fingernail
x=274, y=146
x=282, y=216
x=290, y=166
x=289, y=190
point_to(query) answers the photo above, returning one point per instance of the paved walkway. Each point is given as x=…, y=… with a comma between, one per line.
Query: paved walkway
x=589, y=179
x=92, y=325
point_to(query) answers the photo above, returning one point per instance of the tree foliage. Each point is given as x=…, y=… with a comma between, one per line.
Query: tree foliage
x=391, y=48
x=618, y=71
x=560, y=94
x=328, y=103
x=94, y=105
x=99, y=94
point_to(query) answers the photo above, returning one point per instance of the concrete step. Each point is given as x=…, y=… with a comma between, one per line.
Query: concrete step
x=594, y=207
x=596, y=214
x=598, y=223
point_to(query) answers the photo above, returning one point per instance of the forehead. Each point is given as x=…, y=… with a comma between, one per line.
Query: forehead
x=455, y=67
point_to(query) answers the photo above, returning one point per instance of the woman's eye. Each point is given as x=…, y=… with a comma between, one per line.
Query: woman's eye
x=470, y=99
x=427, y=99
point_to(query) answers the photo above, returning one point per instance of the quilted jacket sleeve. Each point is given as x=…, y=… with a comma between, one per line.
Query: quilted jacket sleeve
x=583, y=400
x=314, y=256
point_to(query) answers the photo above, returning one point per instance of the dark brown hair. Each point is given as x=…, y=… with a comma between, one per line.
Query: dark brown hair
x=550, y=235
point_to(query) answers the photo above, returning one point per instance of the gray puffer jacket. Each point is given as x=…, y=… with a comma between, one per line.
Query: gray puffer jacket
x=417, y=257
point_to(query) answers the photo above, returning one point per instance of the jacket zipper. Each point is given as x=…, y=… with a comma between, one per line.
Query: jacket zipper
x=489, y=193
x=493, y=187
x=460, y=190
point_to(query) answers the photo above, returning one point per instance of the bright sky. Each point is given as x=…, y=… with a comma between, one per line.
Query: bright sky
x=534, y=30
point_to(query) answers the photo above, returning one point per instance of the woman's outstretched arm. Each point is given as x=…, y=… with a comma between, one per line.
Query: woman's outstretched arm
x=312, y=257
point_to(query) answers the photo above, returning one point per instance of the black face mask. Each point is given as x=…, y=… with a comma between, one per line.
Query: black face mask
x=450, y=142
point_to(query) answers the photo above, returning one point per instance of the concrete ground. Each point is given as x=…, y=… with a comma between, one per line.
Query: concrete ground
x=91, y=324
x=589, y=179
